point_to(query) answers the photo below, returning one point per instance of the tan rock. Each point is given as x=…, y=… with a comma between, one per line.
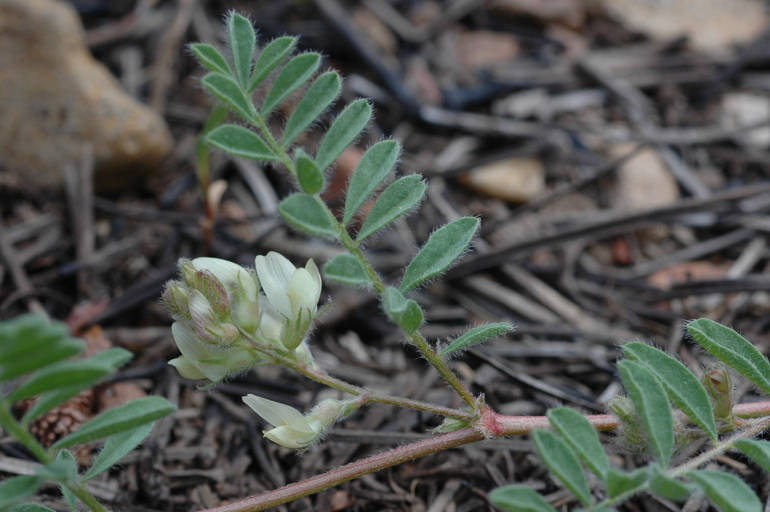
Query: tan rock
x=55, y=97
x=741, y=110
x=515, y=179
x=644, y=181
x=710, y=25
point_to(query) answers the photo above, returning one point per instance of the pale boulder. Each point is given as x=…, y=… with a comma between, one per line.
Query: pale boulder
x=55, y=97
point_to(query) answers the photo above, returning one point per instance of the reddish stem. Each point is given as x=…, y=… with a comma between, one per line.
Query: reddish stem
x=491, y=424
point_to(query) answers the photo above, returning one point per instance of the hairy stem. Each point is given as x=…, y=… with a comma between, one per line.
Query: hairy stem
x=416, y=339
x=491, y=424
x=322, y=377
x=86, y=497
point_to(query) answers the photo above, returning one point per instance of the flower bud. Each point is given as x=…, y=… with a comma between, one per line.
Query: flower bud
x=175, y=297
x=630, y=432
x=207, y=326
x=215, y=293
x=719, y=386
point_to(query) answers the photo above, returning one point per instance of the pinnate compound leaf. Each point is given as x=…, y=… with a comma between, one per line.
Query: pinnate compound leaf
x=61, y=374
x=116, y=447
x=314, y=102
x=563, y=463
x=519, y=498
x=309, y=176
x=758, y=451
x=344, y=130
x=126, y=417
x=682, y=386
x=400, y=197
x=369, y=173
x=730, y=347
x=270, y=57
x=652, y=404
x=347, y=270
x=27, y=335
x=227, y=90
x=242, y=44
x=309, y=214
x=477, y=335
x=726, y=491
x=240, y=141
x=670, y=488
x=405, y=312
x=18, y=488
x=443, y=247
x=582, y=437
x=211, y=58
x=620, y=482
x=296, y=72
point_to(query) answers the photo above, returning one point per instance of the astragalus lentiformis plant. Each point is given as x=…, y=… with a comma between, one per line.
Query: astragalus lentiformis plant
x=230, y=318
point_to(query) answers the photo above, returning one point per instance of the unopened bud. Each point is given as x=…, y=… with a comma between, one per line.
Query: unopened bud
x=719, y=386
x=214, y=291
x=207, y=326
x=630, y=432
x=175, y=298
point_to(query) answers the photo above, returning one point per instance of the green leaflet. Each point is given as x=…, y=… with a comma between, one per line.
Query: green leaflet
x=30, y=507
x=227, y=90
x=344, y=130
x=682, y=386
x=620, y=482
x=518, y=498
x=309, y=214
x=726, y=491
x=113, y=357
x=668, y=487
x=70, y=473
x=563, y=463
x=30, y=361
x=652, y=404
x=757, y=451
x=441, y=250
x=405, y=312
x=18, y=488
x=270, y=57
x=347, y=270
x=240, y=141
x=296, y=72
x=126, y=417
x=369, y=173
x=65, y=373
x=210, y=58
x=309, y=176
x=400, y=197
x=314, y=102
x=582, y=437
x=242, y=44
x=475, y=336
x=116, y=447
x=730, y=347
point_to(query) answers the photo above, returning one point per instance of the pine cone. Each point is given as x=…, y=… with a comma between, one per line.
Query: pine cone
x=63, y=419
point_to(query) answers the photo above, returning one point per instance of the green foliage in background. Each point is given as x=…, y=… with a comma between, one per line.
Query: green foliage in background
x=38, y=361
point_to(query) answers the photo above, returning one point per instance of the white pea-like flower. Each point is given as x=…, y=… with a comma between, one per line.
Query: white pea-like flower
x=200, y=360
x=292, y=429
x=293, y=292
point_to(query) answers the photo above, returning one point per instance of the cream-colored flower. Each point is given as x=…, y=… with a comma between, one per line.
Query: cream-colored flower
x=199, y=360
x=293, y=292
x=292, y=429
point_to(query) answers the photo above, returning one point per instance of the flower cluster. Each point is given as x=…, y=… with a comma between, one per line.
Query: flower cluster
x=225, y=325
